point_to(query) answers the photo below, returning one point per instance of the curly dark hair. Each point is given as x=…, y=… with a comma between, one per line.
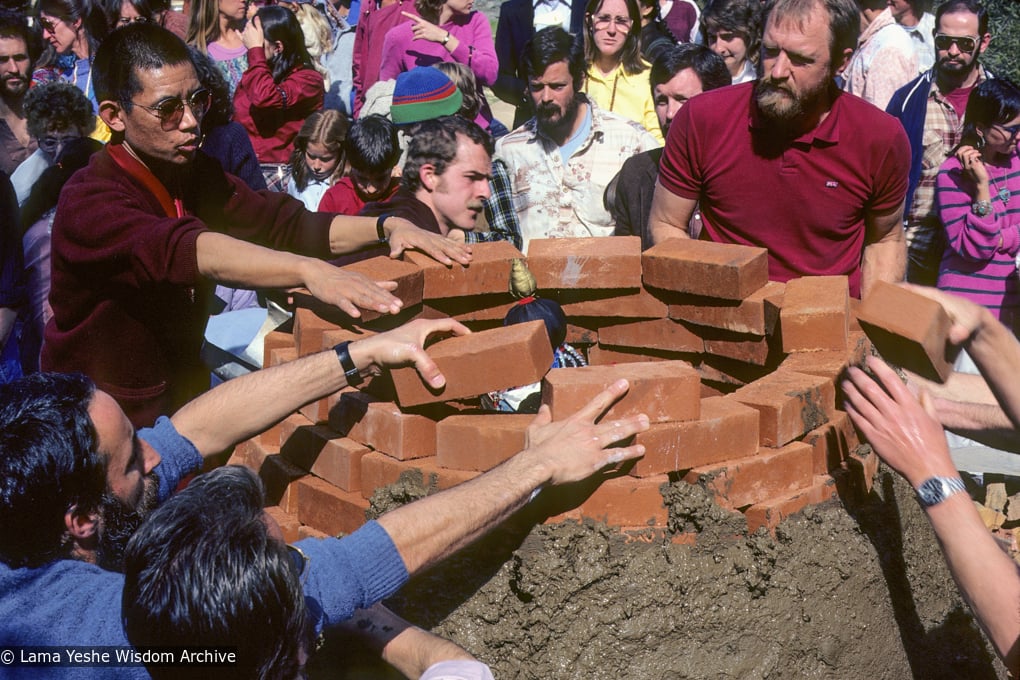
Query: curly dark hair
x=58, y=106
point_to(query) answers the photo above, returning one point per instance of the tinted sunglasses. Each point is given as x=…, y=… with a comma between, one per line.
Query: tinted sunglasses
x=171, y=111
x=966, y=43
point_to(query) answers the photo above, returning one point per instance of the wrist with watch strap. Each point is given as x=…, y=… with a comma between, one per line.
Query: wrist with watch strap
x=934, y=490
x=351, y=372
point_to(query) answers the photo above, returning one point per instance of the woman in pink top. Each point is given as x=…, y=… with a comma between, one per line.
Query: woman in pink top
x=446, y=31
x=215, y=29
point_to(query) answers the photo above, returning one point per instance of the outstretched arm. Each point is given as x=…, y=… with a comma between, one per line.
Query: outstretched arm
x=570, y=450
x=885, y=249
x=905, y=434
x=348, y=234
x=245, y=406
x=401, y=644
x=992, y=346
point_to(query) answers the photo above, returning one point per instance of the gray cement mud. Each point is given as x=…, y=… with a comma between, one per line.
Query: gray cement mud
x=851, y=589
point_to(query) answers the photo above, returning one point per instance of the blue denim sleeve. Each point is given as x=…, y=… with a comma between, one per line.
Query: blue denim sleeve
x=179, y=456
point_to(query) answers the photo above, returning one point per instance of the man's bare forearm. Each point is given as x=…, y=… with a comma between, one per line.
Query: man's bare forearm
x=884, y=260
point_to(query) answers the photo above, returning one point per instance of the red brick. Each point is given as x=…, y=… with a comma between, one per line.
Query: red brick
x=379, y=470
x=278, y=476
x=474, y=364
x=791, y=404
x=832, y=443
x=909, y=330
x=664, y=334
x=384, y=427
x=816, y=314
x=770, y=473
x=626, y=501
x=288, y=523
x=603, y=356
x=309, y=532
x=489, y=307
x=480, y=442
x=729, y=371
x=327, y=455
x=282, y=355
x=770, y=513
x=308, y=330
x=586, y=263
x=581, y=335
x=718, y=270
x=725, y=430
x=275, y=340
x=251, y=453
x=664, y=391
x=272, y=437
x=757, y=314
x=324, y=507
x=749, y=349
x=489, y=271
x=862, y=465
x=409, y=277
x=600, y=304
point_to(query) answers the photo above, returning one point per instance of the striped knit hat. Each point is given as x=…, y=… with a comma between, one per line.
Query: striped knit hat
x=424, y=93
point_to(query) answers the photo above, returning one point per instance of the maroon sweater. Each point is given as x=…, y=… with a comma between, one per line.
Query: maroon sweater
x=128, y=300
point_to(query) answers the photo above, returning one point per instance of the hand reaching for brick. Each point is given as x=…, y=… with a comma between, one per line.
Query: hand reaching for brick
x=406, y=236
x=579, y=446
x=404, y=346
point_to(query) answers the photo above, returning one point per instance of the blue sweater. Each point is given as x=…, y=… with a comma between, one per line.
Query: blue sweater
x=71, y=603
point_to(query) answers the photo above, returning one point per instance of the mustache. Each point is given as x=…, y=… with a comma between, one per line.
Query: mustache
x=476, y=205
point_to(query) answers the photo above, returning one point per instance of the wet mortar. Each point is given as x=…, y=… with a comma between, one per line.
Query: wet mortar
x=855, y=588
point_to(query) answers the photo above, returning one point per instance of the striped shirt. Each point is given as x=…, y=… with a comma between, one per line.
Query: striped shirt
x=979, y=260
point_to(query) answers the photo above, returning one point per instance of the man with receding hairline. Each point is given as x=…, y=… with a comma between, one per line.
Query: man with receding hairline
x=789, y=163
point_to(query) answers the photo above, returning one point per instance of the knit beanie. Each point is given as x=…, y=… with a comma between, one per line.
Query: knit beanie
x=424, y=93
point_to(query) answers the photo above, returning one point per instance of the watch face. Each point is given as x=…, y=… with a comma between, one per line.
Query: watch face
x=937, y=489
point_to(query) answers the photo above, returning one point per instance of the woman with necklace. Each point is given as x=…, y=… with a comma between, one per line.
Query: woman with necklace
x=978, y=196
x=617, y=75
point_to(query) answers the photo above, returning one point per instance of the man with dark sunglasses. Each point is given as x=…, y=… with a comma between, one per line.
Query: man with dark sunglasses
x=141, y=235
x=931, y=108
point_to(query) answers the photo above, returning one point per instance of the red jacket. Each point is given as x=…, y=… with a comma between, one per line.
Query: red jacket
x=271, y=112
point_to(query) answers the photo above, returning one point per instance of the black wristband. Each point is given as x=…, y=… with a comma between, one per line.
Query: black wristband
x=379, y=226
x=351, y=371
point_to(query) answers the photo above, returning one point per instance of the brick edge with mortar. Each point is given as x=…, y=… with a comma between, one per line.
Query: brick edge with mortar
x=320, y=480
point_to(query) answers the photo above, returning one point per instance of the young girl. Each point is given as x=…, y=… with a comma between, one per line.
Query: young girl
x=215, y=29
x=280, y=89
x=318, y=158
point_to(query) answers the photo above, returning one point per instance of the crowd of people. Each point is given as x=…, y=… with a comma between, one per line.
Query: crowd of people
x=158, y=167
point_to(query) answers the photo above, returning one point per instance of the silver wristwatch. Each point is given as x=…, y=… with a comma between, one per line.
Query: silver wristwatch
x=937, y=489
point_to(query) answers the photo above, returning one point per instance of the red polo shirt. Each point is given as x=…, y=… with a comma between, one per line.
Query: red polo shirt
x=805, y=200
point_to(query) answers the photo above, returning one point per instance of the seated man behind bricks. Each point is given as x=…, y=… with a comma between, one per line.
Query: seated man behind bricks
x=678, y=75
x=561, y=160
x=76, y=479
x=144, y=230
x=790, y=163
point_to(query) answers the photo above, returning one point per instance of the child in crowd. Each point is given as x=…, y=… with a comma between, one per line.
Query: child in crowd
x=318, y=157
x=373, y=152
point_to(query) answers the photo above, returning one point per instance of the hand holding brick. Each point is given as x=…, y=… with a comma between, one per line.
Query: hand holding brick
x=403, y=346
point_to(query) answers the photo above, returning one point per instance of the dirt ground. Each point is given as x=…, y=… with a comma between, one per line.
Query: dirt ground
x=848, y=590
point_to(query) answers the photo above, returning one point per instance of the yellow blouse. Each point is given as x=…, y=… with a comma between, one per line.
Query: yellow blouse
x=626, y=95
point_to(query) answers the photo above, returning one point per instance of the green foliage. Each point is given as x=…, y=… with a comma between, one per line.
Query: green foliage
x=1003, y=55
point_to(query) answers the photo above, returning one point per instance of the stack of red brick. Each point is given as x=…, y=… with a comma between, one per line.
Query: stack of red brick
x=736, y=373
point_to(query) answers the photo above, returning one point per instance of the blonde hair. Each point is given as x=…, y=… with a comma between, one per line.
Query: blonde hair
x=318, y=38
x=204, y=24
x=465, y=81
x=327, y=127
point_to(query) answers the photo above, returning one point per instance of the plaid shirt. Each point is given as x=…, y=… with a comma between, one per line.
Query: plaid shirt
x=556, y=201
x=942, y=128
x=499, y=211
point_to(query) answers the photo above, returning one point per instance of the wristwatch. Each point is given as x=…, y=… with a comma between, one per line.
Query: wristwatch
x=446, y=38
x=937, y=489
x=351, y=372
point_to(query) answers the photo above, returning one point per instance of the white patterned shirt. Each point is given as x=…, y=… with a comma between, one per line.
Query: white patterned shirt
x=553, y=200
